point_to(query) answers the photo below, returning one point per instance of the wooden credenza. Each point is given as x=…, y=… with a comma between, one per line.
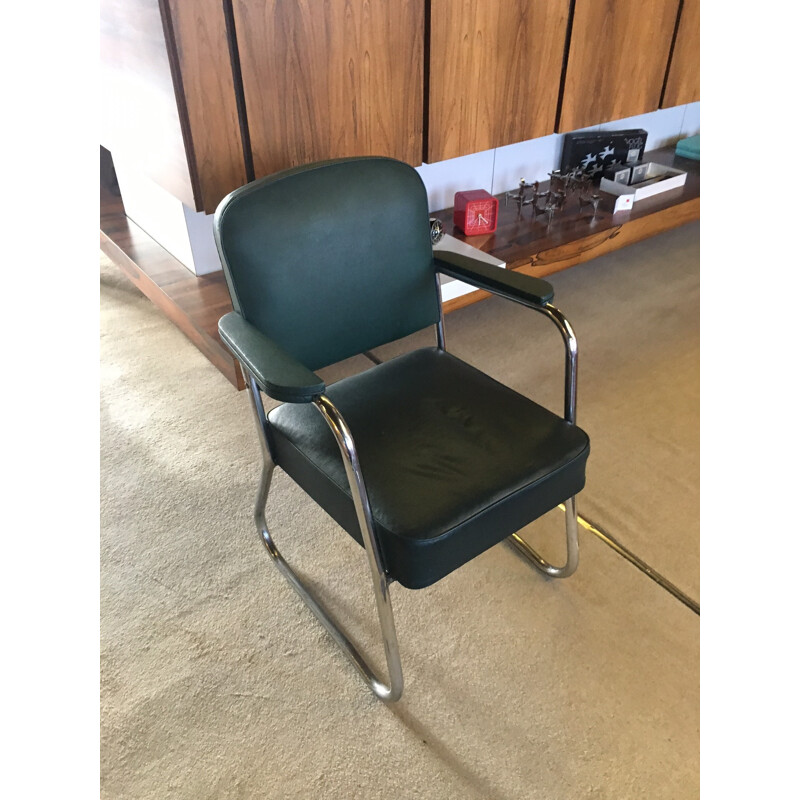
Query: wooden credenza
x=204, y=96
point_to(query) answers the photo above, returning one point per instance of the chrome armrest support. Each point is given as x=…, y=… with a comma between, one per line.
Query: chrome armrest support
x=526, y=290
x=440, y=337
x=570, y=415
x=380, y=580
x=570, y=344
x=571, y=366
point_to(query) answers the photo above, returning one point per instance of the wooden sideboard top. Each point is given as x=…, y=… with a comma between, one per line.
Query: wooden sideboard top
x=574, y=236
x=518, y=241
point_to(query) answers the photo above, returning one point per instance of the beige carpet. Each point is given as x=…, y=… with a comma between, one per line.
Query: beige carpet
x=218, y=683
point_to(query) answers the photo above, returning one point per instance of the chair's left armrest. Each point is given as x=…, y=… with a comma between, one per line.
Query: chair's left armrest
x=277, y=372
x=513, y=285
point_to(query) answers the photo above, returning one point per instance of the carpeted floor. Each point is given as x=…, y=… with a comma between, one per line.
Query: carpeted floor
x=218, y=683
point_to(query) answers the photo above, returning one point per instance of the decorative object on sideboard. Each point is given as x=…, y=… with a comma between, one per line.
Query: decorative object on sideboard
x=639, y=173
x=559, y=181
x=623, y=203
x=550, y=207
x=475, y=212
x=647, y=178
x=521, y=195
x=620, y=173
x=592, y=200
x=595, y=151
x=689, y=147
x=437, y=230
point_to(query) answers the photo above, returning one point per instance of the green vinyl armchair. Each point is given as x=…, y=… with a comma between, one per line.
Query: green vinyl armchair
x=424, y=460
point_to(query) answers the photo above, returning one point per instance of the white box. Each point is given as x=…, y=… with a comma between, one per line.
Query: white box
x=657, y=178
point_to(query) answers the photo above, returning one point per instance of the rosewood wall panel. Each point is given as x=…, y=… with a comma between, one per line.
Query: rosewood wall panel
x=617, y=60
x=495, y=71
x=683, y=79
x=214, y=140
x=331, y=79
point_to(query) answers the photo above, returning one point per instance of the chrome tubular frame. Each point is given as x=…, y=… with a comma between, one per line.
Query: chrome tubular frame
x=570, y=413
x=440, y=338
x=571, y=564
x=571, y=369
x=388, y=692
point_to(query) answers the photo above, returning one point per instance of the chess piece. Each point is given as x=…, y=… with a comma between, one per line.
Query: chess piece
x=550, y=208
x=592, y=200
x=521, y=194
x=558, y=181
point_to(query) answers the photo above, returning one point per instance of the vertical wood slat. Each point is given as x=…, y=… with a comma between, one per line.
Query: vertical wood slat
x=331, y=80
x=495, y=70
x=213, y=136
x=683, y=80
x=617, y=60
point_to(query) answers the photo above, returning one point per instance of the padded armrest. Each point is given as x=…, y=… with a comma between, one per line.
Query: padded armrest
x=279, y=374
x=514, y=285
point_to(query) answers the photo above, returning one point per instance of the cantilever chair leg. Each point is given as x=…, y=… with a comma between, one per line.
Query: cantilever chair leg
x=571, y=564
x=388, y=692
x=570, y=403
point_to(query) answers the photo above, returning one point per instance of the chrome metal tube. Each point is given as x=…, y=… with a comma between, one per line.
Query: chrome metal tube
x=389, y=692
x=380, y=581
x=570, y=415
x=531, y=555
x=570, y=342
x=571, y=367
x=440, y=338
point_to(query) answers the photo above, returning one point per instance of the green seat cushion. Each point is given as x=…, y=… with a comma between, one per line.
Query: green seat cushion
x=454, y=462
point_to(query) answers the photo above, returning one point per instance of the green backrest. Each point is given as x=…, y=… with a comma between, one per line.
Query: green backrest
x=330, y=259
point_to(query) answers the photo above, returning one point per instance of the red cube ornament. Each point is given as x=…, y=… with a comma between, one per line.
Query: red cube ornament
x=475, y=212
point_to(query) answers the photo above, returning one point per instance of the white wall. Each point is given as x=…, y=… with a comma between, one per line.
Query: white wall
x=500, y=170
x=186, y=234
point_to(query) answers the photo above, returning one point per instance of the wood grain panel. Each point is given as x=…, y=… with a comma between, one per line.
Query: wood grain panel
x=208, y=87
x=333, y=79
x=683, y=79
x=140, y=120
x=617, y=60
x=495, y=70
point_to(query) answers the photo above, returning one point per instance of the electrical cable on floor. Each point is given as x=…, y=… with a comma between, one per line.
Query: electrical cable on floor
x=637, y=562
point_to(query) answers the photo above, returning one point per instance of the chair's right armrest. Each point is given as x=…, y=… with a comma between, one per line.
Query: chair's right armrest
x=277, y=372
x=505, y=282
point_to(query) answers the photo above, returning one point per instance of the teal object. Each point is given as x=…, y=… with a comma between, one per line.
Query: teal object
x=689, y=148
